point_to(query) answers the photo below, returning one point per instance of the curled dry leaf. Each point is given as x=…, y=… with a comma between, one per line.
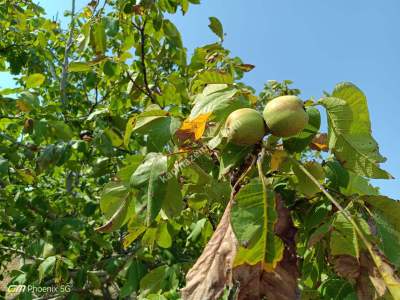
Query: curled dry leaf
x=347, y=266
x=365, y=275
x=320, y=142
x=212, y=272
x=277, y=159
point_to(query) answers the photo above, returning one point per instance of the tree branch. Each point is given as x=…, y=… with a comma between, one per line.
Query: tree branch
x=17, y=251
x=64, y=73
x=138, y=87
x=143, y=60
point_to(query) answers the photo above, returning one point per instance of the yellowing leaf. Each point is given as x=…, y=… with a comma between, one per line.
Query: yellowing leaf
x=26, y=175
x=320, y=142
x=34, y=80
x=193, y=129
x=130, y=125
x=79, y=67
x=23, y=106
x=132, y=236
x=277, y=158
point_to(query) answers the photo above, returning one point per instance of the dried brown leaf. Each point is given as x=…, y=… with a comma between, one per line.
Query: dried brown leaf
x=320, y=142
x=364, y=273
x=212, y=272
x=347, y=266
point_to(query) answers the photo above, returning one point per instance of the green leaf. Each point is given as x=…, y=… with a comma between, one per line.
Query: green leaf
x=303, y=183
x=389, y=208
x=210, y=77
x=337, y=289
x=34, y=80
x=164, y=239
x=130, y=125
x=110, y=68
x=79, y=67
x=114, y=136
x=135, y=229
x=46, y=267
x=4, y=165
x=172, y=33
x=53, y=155
x=84, y=38
x=231, y=156
x=141, y=175
x=216, y=27
x=135, y=273
x=337, y=175
x=350, y=132
x=156, y=189
x=117, y=204
x=159, y=130
x=253, y=219
x=155, y=280
x=173, y=200
x=299, y=142
x=358, y=185
x=60, y=130
x=98, y=39
x=389, y=237
x=319, y=234
x=131, y=164
x=344, y=238
x=219, y=99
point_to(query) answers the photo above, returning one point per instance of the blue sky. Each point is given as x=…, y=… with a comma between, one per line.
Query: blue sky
x=314, y=43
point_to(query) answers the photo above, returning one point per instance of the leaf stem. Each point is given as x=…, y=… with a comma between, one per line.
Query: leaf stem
x=377, y=260
x=240, y=179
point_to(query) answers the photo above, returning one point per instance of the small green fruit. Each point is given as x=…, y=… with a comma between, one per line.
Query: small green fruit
x=285, y=116
x=245, y=126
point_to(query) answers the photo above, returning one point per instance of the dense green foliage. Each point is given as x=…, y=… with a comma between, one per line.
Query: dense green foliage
x=115, y=170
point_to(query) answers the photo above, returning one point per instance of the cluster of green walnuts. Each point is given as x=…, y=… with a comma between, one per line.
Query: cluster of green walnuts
x=283, y=116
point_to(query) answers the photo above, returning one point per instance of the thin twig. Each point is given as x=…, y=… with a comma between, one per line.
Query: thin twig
x=241, y=178
x=143, y=60
x=138, y=87
x=64, y=73
x=17, y=251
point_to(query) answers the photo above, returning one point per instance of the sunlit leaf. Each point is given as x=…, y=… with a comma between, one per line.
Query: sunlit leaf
x=253, y=219
x=193, y=129
x=34, y=80
x=350, y=132
x=216, y=27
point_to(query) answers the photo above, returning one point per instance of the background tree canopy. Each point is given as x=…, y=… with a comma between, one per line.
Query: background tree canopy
x=117, y=179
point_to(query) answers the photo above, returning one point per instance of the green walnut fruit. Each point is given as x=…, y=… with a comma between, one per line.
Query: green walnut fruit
x=245, y=126
x=285, y=116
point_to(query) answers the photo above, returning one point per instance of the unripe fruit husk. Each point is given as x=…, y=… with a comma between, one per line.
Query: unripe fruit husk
x=245, y=126
x=285, y=116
